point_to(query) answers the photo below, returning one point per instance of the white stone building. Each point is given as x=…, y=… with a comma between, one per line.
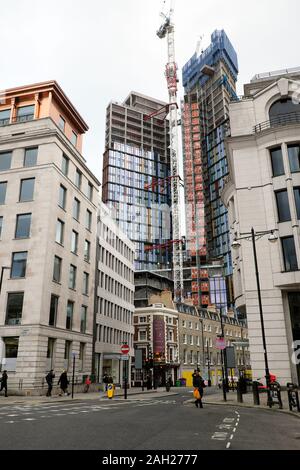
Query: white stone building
x=114, y=299
x=48, y=217
x=263, y=192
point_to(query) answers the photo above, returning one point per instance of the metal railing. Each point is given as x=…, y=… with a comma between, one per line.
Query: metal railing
x=4, y=122
x=23, y=118
x=282, y=120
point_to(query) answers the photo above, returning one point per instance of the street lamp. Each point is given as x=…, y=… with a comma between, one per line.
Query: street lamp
x=272, y=239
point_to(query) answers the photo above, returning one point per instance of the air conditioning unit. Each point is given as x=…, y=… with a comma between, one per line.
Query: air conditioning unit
x=157, y=305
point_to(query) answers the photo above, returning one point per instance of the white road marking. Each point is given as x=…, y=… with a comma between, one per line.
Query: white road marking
x=228, y=445
x=29, y=419
x=220, y=436
x=231, y=437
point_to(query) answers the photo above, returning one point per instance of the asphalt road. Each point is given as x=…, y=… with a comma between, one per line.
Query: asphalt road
x=144, y=424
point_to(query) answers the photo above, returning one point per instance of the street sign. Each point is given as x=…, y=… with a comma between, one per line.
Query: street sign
x=124, y=358
x=220, y=343
x=125, y=349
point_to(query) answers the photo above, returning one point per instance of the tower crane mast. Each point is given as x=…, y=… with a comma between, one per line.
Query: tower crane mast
x=167, y=31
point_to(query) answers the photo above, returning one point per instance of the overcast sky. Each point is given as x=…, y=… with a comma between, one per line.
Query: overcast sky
x=100, y=50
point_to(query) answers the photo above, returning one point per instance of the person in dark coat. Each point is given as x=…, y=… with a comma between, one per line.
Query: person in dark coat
x=198, y=383
x=49, y=379
x=149, y=382
x=4, y=383
x=63, y=381
x=105, y=381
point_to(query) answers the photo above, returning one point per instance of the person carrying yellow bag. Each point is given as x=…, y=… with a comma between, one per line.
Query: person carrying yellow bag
x=199, y=385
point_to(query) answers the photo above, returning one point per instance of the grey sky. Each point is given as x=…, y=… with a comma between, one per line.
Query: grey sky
x=100, y=50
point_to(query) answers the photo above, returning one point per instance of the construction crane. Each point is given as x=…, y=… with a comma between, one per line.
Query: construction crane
x=167, y=31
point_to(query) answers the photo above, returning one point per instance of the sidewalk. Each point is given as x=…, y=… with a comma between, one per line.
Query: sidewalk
x=132, y=393
x=218, y=399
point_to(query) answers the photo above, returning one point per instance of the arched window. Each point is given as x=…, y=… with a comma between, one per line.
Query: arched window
x=283, y=107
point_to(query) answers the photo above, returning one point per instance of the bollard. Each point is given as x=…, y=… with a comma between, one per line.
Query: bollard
x=293, y=397
x=255, y=389
x=239, y=392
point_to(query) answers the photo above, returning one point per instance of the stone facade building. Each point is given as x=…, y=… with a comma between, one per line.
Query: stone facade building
x=114, y=298
x=263, y=192
x=48, y=212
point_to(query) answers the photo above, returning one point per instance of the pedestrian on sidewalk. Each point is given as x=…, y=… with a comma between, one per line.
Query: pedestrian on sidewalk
x=199, y=385
x=105, y=381
x=4, y=383
x=49, y=379
x=64, y=382
x=87, y=384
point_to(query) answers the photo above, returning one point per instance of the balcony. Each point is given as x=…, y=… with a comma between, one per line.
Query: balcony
x=17, y=119
x=279, y=121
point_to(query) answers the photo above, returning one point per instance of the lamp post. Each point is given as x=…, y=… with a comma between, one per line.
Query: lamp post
x=272, y=238
x=203, y=353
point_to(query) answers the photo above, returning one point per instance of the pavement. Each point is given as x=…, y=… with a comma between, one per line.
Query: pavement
x=216, y=398
x=119, y=394
x=146, y=421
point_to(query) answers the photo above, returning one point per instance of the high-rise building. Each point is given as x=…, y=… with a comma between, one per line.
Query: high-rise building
x=48, y=212
x=209, y=82
x=136, y=168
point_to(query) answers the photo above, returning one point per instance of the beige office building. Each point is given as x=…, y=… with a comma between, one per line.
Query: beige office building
x=114, y=298
x=263, y=192
x=48, y=212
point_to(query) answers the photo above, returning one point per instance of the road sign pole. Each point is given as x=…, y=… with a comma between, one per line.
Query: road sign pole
x=125, y=391
x=73, y=375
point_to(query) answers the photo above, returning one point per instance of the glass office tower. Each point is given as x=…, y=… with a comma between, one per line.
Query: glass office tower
x=209, y=82
x=136, y=167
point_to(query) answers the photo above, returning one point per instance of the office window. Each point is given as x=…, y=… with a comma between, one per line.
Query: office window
x=25, y=113
x=62, y=197
x=23, y=224
x=57, y=269
x=76, y=209
x=3, y=186
x=18, y=265
x=1, y=225
x=65, y=165
x=4, y=117
x=90, y=191
x=61, y=123
x=30, y=157
x=277, y=161
x=83, y=319
x=142, y=335
x=297, y=201
x=68, y=347
x=74, y=138
x=74, y=242
x=5, y=160
x=26, y=190
x=14, y=308
x=78, y=178
x=60, y=228
x=294, y=157
x=70, y=310
x=87, y=250
x=72, y=277
x=88, y=220
x=85, y=290
x=289, y=254
x=53, y=310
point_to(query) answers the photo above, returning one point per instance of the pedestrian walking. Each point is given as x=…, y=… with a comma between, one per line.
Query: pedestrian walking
x=64, y=382
x=87, y=384
x=149, y=382
x=105, y=381
x=199, y=385
x=49, y=379
x=4, y=383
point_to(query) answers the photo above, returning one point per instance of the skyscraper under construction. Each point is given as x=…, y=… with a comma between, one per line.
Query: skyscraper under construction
x=209, y=82
x=136, y=169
